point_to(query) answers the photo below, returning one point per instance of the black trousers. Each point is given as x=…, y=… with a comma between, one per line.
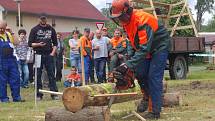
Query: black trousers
x=59, y=67
x=31, y=72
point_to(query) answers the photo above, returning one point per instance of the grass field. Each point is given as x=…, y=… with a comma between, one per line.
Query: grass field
x=198, y=93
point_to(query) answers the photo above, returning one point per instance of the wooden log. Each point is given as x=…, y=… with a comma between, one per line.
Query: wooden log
x=172, y=99
x=75, y=99
x=169, y=99
x=86, y=114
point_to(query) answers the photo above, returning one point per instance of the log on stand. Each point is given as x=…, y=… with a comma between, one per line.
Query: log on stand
x=74, y=99
x=94, y=113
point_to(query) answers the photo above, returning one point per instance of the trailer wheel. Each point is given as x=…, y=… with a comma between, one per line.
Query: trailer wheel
x=178, y=68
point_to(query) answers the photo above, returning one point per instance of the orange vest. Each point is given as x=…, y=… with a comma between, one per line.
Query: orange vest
x=140, y=18
x=116, y=41
x=86, y=46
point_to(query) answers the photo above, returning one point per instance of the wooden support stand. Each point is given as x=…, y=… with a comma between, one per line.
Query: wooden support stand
x=86, y=114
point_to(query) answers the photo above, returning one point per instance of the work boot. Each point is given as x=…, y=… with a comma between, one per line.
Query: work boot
x=142, y=106
x=152, y=116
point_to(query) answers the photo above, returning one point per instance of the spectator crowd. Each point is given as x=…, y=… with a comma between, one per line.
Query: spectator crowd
x=100, y=52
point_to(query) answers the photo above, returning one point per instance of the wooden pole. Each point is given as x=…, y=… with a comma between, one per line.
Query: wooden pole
x=82, y=64
x=138, y=116
x=116, y=95
x=152, y=5
x=50, y=92
x=192, y=21
x=178, y=19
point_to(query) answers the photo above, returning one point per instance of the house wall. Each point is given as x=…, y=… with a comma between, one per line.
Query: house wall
x=62, y=24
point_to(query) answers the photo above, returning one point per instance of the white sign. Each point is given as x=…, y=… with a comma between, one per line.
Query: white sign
x=100, y=25
x=37, y=62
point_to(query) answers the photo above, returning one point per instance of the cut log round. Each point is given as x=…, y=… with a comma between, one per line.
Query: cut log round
x=73, y=99
x=86, y=114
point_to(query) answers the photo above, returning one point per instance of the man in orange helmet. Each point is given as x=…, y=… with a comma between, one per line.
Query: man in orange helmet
x=148, y=51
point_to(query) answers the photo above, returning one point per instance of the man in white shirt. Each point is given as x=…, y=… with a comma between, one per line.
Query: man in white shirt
x=100, y=48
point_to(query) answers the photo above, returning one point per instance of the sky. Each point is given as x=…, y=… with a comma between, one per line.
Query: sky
x=102, y=3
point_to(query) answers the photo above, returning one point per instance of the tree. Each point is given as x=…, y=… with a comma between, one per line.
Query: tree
x=210, y=27
x=202, y=7
x=109, y=24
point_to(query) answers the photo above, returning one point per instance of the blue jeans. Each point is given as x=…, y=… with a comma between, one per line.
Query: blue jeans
x=87, y=68
x=75, y=60
x=69, y=84
x=48, y=62
x=9, y=73
x=150, y=77
x=99, y=66
x=24, y=73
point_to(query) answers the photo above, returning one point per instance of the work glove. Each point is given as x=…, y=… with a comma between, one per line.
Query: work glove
x=124, y=77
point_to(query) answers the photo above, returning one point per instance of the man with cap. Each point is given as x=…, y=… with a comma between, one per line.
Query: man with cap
x=86, y=48
x=148, y=47
x=9, y=72
x=43, y=39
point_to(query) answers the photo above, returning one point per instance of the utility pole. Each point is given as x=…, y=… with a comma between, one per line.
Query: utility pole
x=19, y=11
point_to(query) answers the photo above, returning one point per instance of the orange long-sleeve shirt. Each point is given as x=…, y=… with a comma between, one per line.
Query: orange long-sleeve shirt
x=86, y=45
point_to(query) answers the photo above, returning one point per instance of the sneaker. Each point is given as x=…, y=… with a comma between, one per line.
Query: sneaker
x=152, y=116
x=142, y=106
x=55, y=98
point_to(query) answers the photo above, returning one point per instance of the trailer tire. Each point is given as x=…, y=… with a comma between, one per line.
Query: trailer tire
x=178, y=68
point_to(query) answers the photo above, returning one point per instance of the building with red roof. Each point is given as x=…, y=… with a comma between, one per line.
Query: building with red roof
x=64, y=15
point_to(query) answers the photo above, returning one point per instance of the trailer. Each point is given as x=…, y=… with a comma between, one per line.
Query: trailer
x=181, y=47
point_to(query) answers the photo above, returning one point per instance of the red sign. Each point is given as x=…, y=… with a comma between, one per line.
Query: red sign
x=100, y=25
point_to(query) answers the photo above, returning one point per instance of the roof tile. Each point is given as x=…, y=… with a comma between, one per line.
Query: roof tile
x=62, y=8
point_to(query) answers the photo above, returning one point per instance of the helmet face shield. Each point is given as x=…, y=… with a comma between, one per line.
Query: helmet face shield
x=121, y=19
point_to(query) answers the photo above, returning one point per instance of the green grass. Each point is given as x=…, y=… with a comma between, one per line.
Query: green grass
x=198, y=102
x=206, y=74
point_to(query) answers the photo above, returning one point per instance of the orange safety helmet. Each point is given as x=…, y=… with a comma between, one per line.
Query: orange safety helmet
x=120, y=11
x=118, y=7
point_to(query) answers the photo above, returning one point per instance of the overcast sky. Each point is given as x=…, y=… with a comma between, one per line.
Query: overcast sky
x=102, y=3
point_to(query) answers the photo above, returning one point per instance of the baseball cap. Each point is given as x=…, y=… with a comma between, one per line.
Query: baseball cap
x=43, y=16
x=87, y=30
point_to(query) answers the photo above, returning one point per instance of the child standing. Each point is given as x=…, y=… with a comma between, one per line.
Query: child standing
x=73, y=79
x=21, y=51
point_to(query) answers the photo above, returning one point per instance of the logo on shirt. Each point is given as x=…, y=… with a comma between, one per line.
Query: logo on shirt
x=44, y=35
